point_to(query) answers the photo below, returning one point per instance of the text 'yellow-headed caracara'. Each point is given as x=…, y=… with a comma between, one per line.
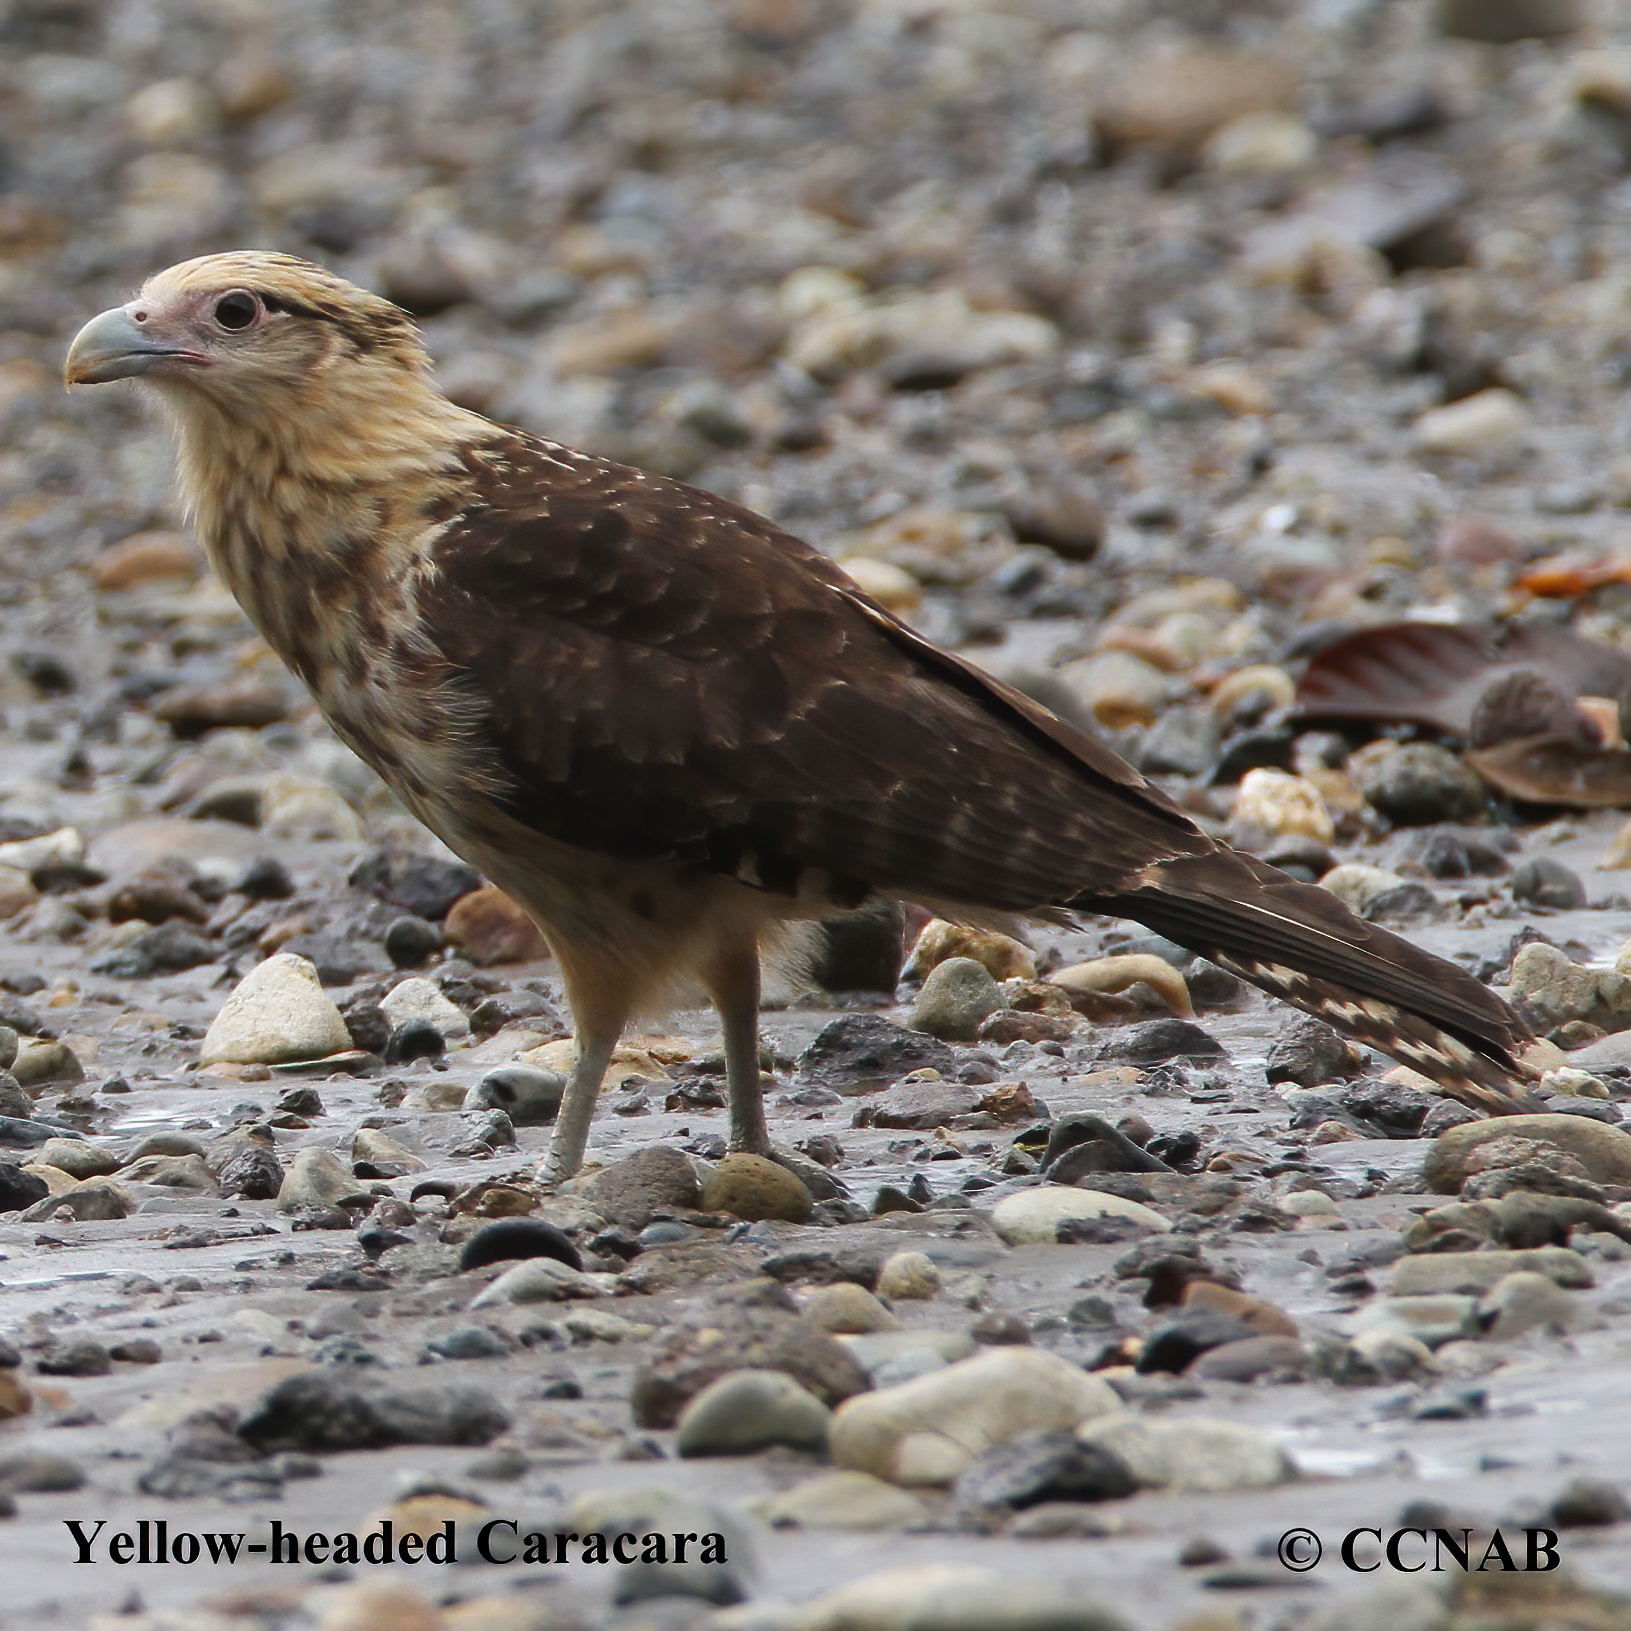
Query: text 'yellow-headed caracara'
x=663, y=725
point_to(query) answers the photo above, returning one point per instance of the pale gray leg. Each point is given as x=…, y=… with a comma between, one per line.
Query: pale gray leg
x=734, y=983
x=571, y=1135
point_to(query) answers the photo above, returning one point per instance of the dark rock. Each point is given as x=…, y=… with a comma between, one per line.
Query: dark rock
x=420, y=884
x=1501, y=22
x=1001, y=1328
x=19, y=1189
x=1081, y=1143
x=1396, y=1110
x=1016, y=1025
x=1060, y=511
x=862, y=950
x=631, y=1192
x=265, y=878
x=1522, y=702
x=360, y=1280
x=410, y=942
x=156, y=898
x=254, y=1173
x=1100, y=1231
x=508, y=1007
x=368, y=1023
x=1543, y=881
x=917, y=1105
x=168, y=949
x=1175, y=1346
x=1580, y=1504
x=469, y=1342
x=1180, y=1151
x=1044, y=1466
x=753, y=1339
x=1568, y=1104
x=511, y=1238
x=1444, y=1115
x=414, y=1039
x=890, y=1199
x=339, y=957
x=333, y=1410
x=1455, y=852
x=1182, y=742
x=858, y=1052
x=1309, y=1053
x=1158, y=1040
x=80, y=1357
x=1418, y=783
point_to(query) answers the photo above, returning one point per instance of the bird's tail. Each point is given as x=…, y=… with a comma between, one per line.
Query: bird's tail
x=1299, y=943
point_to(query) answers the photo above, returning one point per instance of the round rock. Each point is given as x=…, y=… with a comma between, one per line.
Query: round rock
x=529, y=1097
x=958, y=996
x=754, y=1187
x=750, y=1410
x=1032, y=1216
x=277, y=1014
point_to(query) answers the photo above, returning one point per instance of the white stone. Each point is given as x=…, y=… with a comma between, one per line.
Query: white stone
x=1032, y=1217
x=1357, y=885
x=1308, y=1203
x=906, y=1276
x=957, y=1597
x=1191, y=1453
x=277, y=1014
x=538, y=1280
x=925, y=1432
x=843, y=1500
x=1275, y=804
x=64, y=847
x=421, y=999
x=1488, y=422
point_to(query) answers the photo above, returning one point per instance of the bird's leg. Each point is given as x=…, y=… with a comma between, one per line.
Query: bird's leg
x=599, y=1027
x=733, y=982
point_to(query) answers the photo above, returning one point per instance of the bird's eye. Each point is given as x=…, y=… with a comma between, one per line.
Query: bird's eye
x=236, y=310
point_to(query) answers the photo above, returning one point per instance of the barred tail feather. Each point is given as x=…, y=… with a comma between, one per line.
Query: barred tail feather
x=1299, y=943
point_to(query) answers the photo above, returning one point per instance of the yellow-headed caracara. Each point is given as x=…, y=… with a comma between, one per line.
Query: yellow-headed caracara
x=665, y=726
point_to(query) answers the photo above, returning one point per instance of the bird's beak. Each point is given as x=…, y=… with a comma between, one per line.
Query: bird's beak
x=113, y=346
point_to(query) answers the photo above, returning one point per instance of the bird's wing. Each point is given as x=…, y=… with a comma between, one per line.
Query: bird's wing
x=664, y=674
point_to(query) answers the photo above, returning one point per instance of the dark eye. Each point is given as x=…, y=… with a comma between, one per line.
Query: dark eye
x=236, y=310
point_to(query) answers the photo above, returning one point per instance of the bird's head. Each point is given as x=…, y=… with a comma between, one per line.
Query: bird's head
x=250, y=329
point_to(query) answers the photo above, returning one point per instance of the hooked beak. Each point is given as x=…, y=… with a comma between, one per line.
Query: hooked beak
x=114, y=346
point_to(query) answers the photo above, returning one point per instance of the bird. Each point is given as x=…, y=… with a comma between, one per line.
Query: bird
x=674, y=733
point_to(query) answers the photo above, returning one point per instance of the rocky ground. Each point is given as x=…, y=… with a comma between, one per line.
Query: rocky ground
x=1141, y=353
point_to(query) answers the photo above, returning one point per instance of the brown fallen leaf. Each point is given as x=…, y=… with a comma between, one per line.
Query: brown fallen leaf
x=1557, y=770
x=1433, y=674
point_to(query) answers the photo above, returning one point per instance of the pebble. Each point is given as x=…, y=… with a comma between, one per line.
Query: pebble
x=1310, y=1053
x=958, y=995
x=1192, y=1453
x=844, y=1500
x=387, y=1158
x=530, y=1098
x=1033, y=1216
x=1158, y=1040
x=1545, y=881
x=1522, y=1301
x=1503, y=22
x=1604, y=1151
x=632, y=1191
x=539, y=1280
x=1272, y=805
x=173, y=1172
x=1116, y=689
x=95, y=1200
x=1549, y=990
x=755, y=1187
x=1430, y=1319
x=469, y=1342
x=39, y=1061
x=909, y=1277
x=78, y=1158
x=956, y=1597
x=1490, y=421
x=20, y=1188
x=1043, y=1465
x=488, y=928
x=1475, y=1272
x=340, y=1410
x=750, y=1410
x=421, y=999
x=77, y=1357
x=276, y=1014
x=255, y=1173
x=742, y=1337
x=918, y=1104
x=925, y=1432
x=847, y=1309
x=1248, y=1358
x=38, y=1472
x=1122, y=973
x=1415, y=784
x=513, y=1239
x=858, y=1053
x=316, y=1178
x=1003, y=957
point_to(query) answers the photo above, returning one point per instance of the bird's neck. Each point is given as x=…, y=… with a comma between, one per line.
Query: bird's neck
x=283, y=496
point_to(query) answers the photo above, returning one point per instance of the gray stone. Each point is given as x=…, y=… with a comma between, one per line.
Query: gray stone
x=1042, y=1466
x=957, y=997
x=919, y=1105
x=469, y=1342
x=78, y=1158
x=1191, y=1453
x=844, y=1500
x=859, y=1052
x=1415, y=784
x=338, y=1410
x=1520, y=1302
x=632, y=1191
x=1605, y=1152
x=530, y=1098
x=317, y=1177
x=1475, y=1272
x=1545, y=881
x=957, y=1597
x=750, y=1410
x=1309, y=1053
x=1432, y=1319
